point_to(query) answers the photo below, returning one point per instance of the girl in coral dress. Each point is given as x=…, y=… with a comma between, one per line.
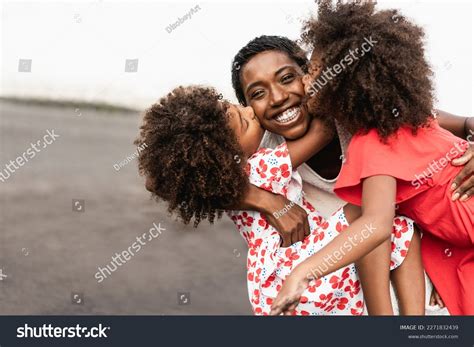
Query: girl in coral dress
x=399, y=157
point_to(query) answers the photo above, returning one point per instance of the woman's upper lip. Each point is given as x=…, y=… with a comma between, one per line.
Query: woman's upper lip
x=282, y=111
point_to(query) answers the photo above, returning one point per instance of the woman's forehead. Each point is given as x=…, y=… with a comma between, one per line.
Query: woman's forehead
x=266, y=64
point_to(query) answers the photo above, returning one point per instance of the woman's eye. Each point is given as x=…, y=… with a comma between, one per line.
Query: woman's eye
x=287, y=78
x=257, y=94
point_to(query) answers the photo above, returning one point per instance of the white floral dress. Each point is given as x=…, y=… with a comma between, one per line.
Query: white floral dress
x=268, y=264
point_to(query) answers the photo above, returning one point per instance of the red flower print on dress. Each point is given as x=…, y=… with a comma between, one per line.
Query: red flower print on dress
x=308, y=206
x=291, y=256
x=262, y=168
x=246, y=219
x=340, y=303
x=340, y=227
x=312, y=288
x=269, y=281
x=353, y=288
x=404, y=252
x=325, y=299
x=400, y=227
x=256, y=297
x=257, y=273
x=359, y=309
x=318, y=235
x=278, y=172
x=268, y=264
x=345, y=273
x=263, y=222
x=322, y=222
x=336, y=281
x=282, y=153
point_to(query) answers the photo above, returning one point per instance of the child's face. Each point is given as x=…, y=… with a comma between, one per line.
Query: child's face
x=246, y=127
x=272, y=85
x=314, y=71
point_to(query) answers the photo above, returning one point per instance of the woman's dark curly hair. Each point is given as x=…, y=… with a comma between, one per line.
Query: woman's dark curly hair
x=262, y=44
x=385, y=88
x=190, y=154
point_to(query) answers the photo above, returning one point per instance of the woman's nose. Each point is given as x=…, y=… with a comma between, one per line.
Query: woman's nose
x=278, y=96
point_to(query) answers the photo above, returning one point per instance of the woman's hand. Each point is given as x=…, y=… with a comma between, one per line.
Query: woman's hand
x=463, y=184
x=289, y=296
x=435, y=299
x=293, y=225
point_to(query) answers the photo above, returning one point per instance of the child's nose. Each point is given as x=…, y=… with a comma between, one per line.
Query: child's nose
x=248, y=112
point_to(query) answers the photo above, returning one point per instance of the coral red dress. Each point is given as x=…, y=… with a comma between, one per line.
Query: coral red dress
x=421, y=165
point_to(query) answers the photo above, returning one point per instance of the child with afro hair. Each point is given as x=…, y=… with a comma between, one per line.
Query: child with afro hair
x=369, y=73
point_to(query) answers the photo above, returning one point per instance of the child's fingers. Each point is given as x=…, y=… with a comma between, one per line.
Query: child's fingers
x=292, y=308
x=277, y=308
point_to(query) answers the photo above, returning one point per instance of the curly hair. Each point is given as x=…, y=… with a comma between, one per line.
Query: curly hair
x=385, y=88
x=262, y=44
x=190, y=154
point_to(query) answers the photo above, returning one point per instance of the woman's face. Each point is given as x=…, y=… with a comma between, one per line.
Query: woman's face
x=273, y=87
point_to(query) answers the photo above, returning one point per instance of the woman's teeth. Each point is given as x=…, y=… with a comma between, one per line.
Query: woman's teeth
x=288, y=115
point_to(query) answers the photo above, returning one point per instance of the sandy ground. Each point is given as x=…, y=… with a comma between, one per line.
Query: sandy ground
x=50, y=253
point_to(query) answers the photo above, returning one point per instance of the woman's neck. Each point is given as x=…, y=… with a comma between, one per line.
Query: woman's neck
x=327, y=162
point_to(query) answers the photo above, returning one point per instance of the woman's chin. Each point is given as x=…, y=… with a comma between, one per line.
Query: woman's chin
x=295, y=132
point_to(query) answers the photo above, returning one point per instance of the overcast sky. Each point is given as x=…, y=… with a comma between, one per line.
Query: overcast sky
x=78, y=50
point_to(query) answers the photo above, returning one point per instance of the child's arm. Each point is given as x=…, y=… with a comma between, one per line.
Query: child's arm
x=318, y=136
x=362, y=236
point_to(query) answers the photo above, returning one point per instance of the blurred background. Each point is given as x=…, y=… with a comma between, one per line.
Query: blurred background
x=87, y=70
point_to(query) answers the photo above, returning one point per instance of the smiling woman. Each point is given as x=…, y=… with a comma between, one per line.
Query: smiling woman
x=270, y=76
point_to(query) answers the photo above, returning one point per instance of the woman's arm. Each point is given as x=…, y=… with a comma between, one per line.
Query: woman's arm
x=457, y=125
x=316, y=138
x=463, y=184
x=292, y=226
x=362, y=236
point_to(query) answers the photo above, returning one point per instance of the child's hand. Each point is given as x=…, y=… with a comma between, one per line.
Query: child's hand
x=289, y=296
x=436, y=299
